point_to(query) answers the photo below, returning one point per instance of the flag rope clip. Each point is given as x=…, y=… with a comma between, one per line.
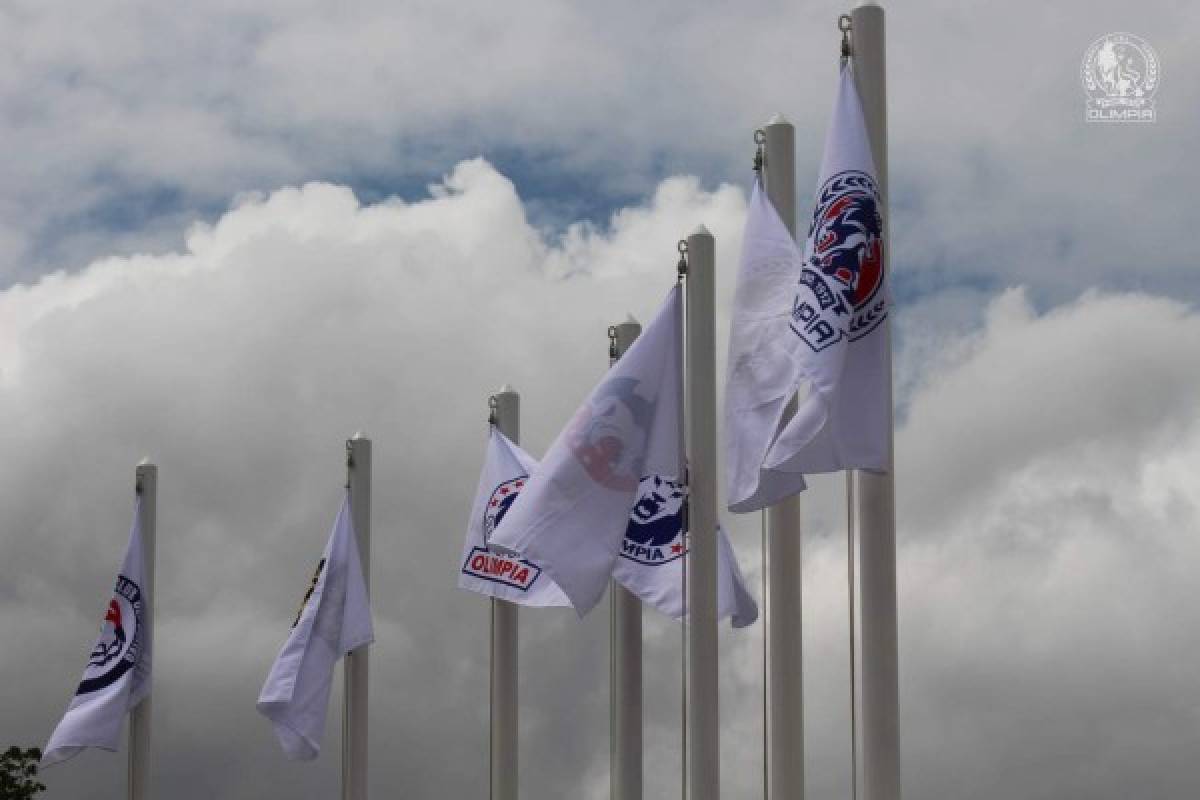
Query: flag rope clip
x=845, y=23
x=493, y=404
x=682, y=267
x=760, y=151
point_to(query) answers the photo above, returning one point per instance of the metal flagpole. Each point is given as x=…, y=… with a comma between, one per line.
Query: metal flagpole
x=844, y=25
x=850, y=589
x=146, y=487
x=354, y=669
x=876, y=506
x=625, y=650
x=506, y=415
x=702, y=753
x=783, y=695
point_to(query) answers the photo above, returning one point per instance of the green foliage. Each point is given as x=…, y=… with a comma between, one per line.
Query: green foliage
x=18, y=773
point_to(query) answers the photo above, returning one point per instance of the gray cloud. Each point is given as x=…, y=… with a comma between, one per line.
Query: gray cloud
x=1047, y=499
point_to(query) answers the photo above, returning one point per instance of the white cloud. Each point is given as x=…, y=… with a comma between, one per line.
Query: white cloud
x=1047, y=502
x=240, y=365
x=120, y=124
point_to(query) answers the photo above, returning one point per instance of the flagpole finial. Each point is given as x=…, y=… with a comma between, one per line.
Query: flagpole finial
x=778, y=119
x=507, y=389
x=357, y=435
x=630, y=319
x=145, y=462
x=700, y=231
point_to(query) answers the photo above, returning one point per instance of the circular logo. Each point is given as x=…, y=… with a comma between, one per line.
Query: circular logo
x=120, y=643
x=657, y=517
x=846, y=236
x=1120, y=73
x=604, y=434
x=498, y=504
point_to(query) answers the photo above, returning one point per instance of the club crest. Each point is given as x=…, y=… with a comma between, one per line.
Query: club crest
x=120, y=643
x=604, y=432
x=655, y=532
x=840, y=285
x=498, y=504
x=498, y=567
x=1121, y=74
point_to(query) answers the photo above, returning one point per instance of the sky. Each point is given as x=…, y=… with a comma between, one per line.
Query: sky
x=232, y=235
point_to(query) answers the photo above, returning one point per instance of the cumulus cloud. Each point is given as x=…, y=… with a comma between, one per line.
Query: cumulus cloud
x=1047, y=497
x=241, y=364
x=120, y=125
x=1049, y=512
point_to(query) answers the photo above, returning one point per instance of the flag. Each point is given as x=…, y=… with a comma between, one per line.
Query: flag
x=334, y=618
x=813, y=323
x=572, y=514
x=764, y=363
x=654, y=551
x=117, y=675
x=506, y=469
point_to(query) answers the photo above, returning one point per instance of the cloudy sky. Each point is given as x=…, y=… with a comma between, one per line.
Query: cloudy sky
x=232, y=234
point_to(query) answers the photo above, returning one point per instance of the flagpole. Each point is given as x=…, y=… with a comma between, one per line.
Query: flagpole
x=875, y=501
x=146, y=488
x=504, y=736
x=702, y=754
x=783, y=696
x=625, y=649
x=355, y=672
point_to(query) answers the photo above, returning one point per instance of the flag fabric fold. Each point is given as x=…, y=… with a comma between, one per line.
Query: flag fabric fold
x=334, y=619
x=764, y=365
x=117, y=675
x=812, y=323
x=506, y=469
x=572, y=514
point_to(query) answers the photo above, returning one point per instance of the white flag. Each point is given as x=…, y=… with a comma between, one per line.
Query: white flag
x=506, y=469
x=572, y=514
x=765, y=362
x=117, y=676
x=654, y=551
x=821, y=333
x=334, y=619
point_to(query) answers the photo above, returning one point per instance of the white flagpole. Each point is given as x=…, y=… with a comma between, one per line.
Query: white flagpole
x=702, y=754
x=506, y=408
x=355, y=673
x=625, y=651
x=876, y=506
x=783, y=693
x=146, y=487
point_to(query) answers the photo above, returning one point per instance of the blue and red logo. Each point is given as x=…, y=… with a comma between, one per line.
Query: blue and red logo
x=844, y=272
x=121, y=636
x=603, y=434
x=655, y=533
x=498, y=504
x=495, y=567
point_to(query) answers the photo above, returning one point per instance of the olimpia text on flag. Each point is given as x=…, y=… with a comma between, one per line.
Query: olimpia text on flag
x=811, y=323
x=572, y=514
x=506, y=469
